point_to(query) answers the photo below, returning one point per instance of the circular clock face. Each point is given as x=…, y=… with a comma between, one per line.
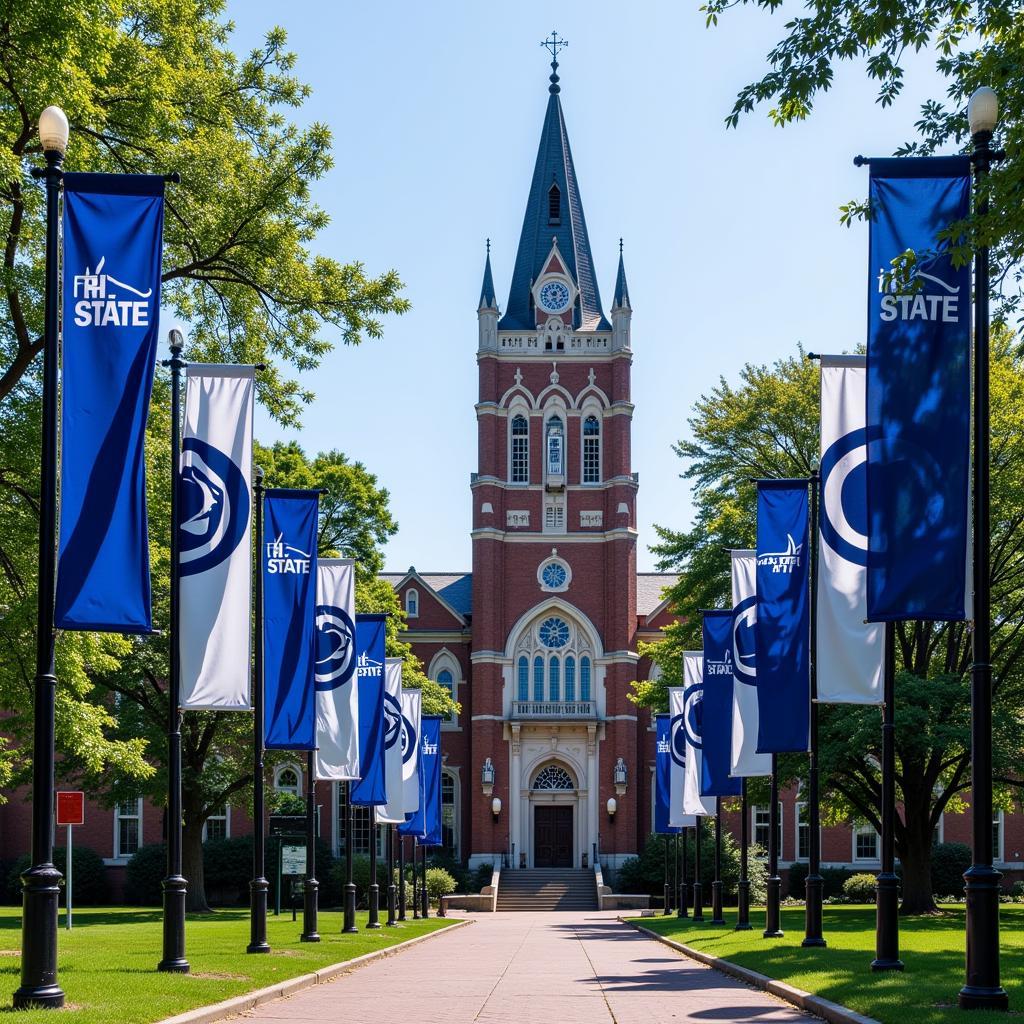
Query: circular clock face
x=554, y=296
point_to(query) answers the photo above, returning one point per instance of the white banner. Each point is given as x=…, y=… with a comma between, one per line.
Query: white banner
x=412, y=709
x=393, y=812
x=337, y=692
x=693, y=694
x=850, y=651
x=215, y=538
x=677, y=742
x=744, y=759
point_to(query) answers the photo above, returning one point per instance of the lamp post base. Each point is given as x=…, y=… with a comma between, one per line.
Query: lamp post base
x=773, y=923
x=39, y=986
x=887, y=923
x=743, y=906
x=174, y=961
x=258, y=926
x=350, y=909
x=982, y=991
x=813, y=892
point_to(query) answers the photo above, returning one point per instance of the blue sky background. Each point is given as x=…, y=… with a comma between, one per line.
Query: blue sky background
x=733, y=248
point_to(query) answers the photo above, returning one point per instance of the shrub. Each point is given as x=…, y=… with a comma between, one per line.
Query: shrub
x=860, y=888
x=360, y=877
x=143, y=876
x=949, y=862
x=833, y=879
x=439, y=883
x=481, y=878
x=89, y=877
x=227, y=870
x=645, y=874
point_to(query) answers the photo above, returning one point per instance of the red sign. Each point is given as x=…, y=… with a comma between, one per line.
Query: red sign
x=70, y=807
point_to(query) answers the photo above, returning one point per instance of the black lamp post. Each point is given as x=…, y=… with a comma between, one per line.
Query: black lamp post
x=392, y=923
x=259, y=885
x=982, y=988
x=773, y=918
x=683, y=897
x=42, y=880
x=743, y=885
x=401, y=877
x=174, y=885
x=717, y=884
x=698, y=894
x=814, y=886
x=350, y=886
x=311, y=887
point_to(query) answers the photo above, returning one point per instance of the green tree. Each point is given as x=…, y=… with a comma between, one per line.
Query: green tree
x=153, y=86
x=768, y=426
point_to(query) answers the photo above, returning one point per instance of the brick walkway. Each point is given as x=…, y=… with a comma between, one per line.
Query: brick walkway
x=554, y=968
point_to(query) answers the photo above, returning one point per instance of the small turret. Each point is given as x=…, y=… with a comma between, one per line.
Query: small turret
x=622, y=311
x=487, y=311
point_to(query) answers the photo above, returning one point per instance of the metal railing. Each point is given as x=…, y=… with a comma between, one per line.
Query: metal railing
x=561, y=709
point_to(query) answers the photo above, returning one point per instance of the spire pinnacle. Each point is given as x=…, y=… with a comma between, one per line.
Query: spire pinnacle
x=621, y=300
x=553, y=44
x=487, y=296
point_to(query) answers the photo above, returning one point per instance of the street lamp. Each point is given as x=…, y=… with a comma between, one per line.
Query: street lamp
x=982, y=988
x=612, y=806
x=42, y=880
x=496, y=808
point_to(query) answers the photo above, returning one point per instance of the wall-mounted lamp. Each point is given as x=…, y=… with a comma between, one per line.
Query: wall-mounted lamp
x=496, y=808
x=619, y=776
x=612, y=808
x=487, y=777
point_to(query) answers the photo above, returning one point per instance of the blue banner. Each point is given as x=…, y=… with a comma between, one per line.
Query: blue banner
x=918, y=393
x=113, y=229
x=425, y=822
x=370, y=789
x=289, y=609
x=430, y=758
x=663, y=776
x=716, y=720
x=782, y=629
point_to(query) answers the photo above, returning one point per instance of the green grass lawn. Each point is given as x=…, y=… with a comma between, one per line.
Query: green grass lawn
x=107, y=961
x=931, y=947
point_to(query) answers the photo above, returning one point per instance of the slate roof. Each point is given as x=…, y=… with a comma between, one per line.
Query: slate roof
x=554, y=165
x=457, y=588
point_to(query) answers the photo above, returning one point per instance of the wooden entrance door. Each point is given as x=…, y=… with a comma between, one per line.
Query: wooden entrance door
x=552, y=836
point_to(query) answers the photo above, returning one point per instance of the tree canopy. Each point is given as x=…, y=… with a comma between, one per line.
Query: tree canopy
x=767, y=425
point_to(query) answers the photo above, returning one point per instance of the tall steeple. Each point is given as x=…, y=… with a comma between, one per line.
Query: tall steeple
x=554, y=213
x=487, y=298
x=621, y=299
x=487, y=311
x=622, y=309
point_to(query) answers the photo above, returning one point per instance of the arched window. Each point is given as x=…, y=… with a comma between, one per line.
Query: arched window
x=553, y=776
x=449, y=815
x=287, y=781
x=445, y=679
x=570, y=678
x=538, y=678
x=554, y=683
x=555, y=447
x=584, y=678
x=554, y=205
x=524, y=678
x=591, y=450
x=520, y=469
x=412, y=603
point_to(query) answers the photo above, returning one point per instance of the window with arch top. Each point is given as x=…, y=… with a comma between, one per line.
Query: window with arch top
x=555, y=446
x=553, y=660
x=591, y=450
x=520, y=434
x=553, y=776
x=412, y=603
x=554, y=205
x=524, y=679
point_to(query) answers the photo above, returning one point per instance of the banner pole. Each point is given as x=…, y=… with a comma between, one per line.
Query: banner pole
x=374, y=897
x=815, y=884
x=401, y=877
x=716, y=885
x=415, y=886
x=773, y=929
x=683, y=895
x=310, y=890
x=666, y=910
x=425, y=894
x=698, y=895
x=259, y=885
x=70, y=862
x=174, y=885
x=675, y=869
x=350, y=888
x=743, y=886
x=391, y=876
x=887, y=889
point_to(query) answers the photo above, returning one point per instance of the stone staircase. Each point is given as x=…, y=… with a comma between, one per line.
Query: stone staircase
x=547, y=889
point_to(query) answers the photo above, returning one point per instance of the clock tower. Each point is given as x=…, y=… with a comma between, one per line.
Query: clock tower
x=553, y=632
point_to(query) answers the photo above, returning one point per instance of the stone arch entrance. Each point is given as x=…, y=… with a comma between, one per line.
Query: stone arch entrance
x=554, y=816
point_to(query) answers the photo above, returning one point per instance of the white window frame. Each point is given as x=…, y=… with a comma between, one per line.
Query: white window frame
x=118, y=855
x=755, y=808
x=444, y=659
x=585, y=415
x=225, y=817
x=941, y=828
x=800, y=807
x=453, y=773
x=999, y=848
x=556, y=412
x=513, y=414
x=412, y=603
x=280, y=770
x=861, y=829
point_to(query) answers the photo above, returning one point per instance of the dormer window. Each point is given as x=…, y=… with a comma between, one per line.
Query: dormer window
x=554, y=205
x=412, y=603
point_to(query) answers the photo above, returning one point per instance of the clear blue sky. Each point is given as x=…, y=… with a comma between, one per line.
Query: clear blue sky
x=733, y=248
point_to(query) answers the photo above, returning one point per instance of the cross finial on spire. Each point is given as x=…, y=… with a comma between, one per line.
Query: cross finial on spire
x=488, y=247
x=553, y=44
x=620, y=247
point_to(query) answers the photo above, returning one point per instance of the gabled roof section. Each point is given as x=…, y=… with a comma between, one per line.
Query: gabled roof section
x=621, y=300
x=453, y=590
x=554, y=167
x=650, y=599
x=487, y=296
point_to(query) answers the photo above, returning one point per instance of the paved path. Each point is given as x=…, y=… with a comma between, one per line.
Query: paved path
x=531, y=968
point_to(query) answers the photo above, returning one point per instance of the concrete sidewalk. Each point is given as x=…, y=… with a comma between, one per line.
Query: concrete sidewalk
x=557, y=968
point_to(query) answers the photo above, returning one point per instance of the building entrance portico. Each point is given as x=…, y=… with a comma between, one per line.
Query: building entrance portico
x=552, y=836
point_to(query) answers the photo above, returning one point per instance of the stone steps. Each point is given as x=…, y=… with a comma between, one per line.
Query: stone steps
x=545, y=889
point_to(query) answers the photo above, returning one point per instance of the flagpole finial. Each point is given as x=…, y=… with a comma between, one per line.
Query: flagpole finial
x=553, y=44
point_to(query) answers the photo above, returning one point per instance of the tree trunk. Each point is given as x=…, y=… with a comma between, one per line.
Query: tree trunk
x=192, y=864
x=915, y=856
